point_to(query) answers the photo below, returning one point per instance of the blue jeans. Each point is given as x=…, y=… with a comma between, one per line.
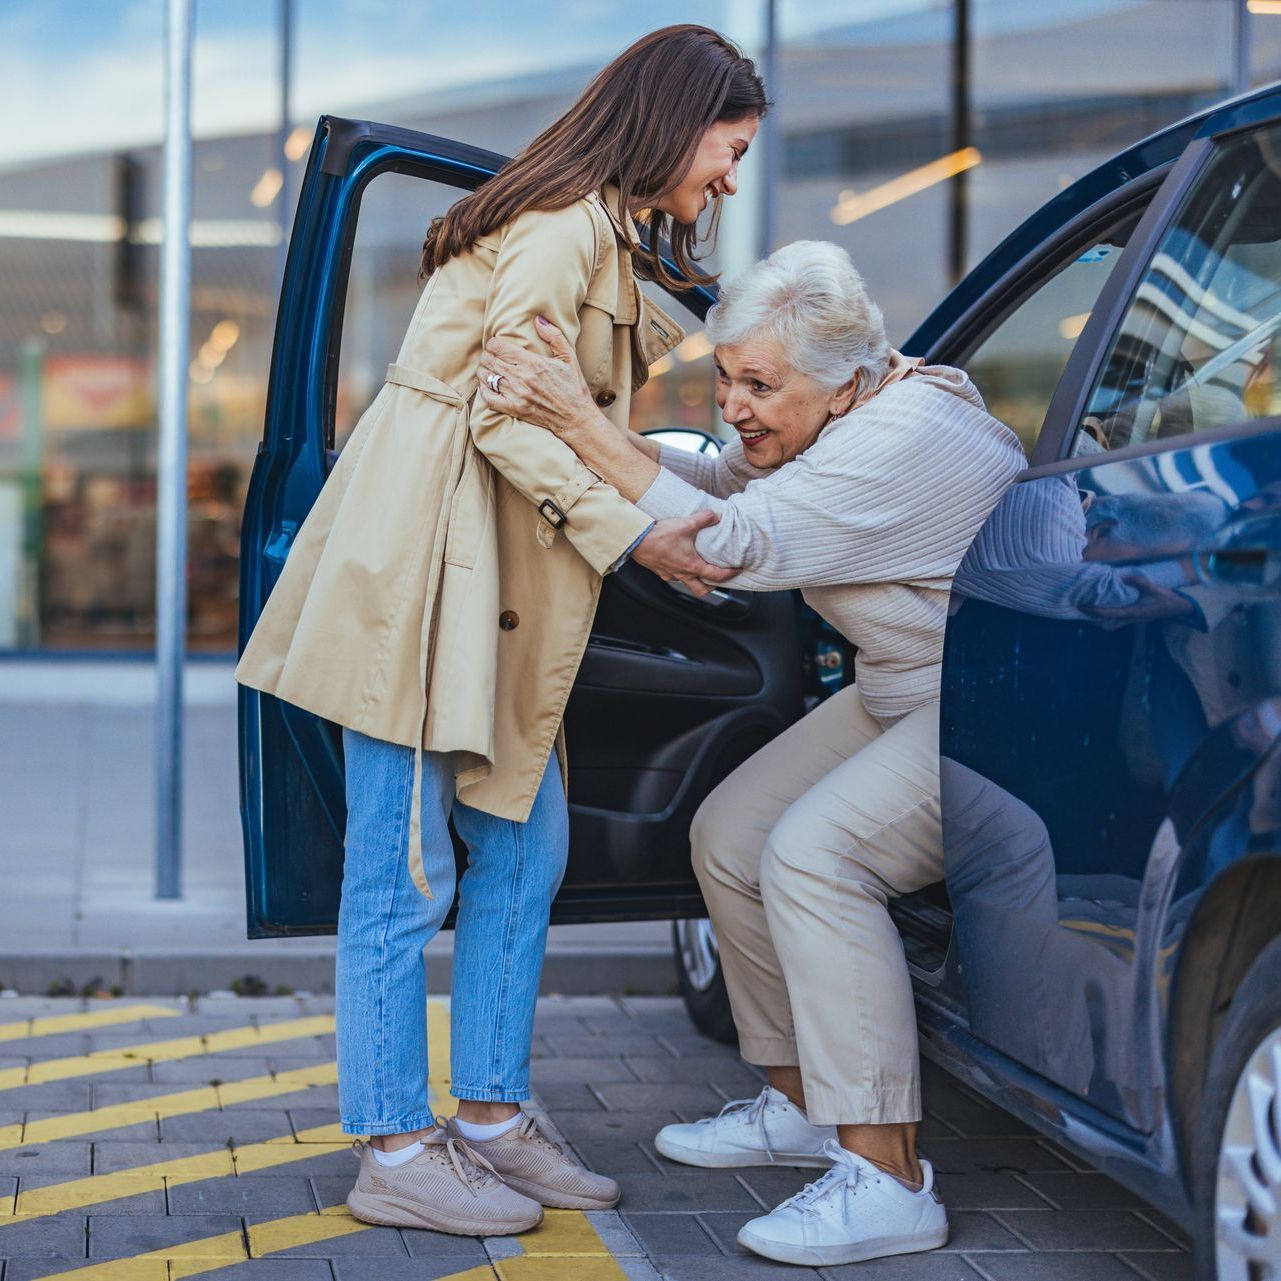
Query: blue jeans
x=513, y=873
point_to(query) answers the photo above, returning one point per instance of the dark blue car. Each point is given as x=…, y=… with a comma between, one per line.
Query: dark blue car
x=1104, y=959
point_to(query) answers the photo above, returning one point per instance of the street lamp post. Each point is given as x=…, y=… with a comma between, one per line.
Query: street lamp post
x=171, y=467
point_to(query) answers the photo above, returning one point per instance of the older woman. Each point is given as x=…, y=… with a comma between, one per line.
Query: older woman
x=859, y=477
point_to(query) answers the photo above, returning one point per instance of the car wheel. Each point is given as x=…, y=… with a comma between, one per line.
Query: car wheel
x=702, y=984
x=1239, y=1182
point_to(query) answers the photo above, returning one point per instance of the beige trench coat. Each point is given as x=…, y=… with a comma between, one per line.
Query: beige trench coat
x=441, y=590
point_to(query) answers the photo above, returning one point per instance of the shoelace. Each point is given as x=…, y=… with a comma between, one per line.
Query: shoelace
x=472, y=1168
x=754, y=1114
x=530, y=1128
x=846, y=1173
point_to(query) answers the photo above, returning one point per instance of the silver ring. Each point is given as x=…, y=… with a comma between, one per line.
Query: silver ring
x=493, y=380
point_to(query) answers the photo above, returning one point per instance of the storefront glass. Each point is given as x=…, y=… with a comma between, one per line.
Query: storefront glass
x=864, y=121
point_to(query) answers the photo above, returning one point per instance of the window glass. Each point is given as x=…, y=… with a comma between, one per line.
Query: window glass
x=383, y=289
x=1198, y=347
x=1018, y=364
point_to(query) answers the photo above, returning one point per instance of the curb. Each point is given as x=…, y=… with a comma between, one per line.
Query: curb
x=260, y=971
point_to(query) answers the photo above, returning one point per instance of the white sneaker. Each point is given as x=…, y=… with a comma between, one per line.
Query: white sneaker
x=767, y=1130
x=854, y=1212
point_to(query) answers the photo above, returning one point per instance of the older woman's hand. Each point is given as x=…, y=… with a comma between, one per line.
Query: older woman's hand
x=547, y=391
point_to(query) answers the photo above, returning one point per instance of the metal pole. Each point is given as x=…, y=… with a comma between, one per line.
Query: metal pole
x=286, y=69
x=958, y=210
x=772, y=136
x=1240, y=47
x=171, y=463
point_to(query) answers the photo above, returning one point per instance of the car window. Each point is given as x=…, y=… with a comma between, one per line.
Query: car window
x=383, y=288
x=1198, y=347
x=1018, y=364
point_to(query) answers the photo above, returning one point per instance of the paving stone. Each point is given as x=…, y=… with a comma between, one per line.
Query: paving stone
x=974, y=1230
x=616, y=1158
x=461, y=1252
x=1084, y=1230
x=149, y=1199
x=972, y=1117
x=66, y=1157
x=234, y=1125
x=112, y=1157
x=417, y=1269
x=1082, y=1191
x=332, y=1189
x=588, y=1046
x=728, y=1073
x=112, y=1091
x=648, y=1098
x=1075, y=1266
x=615, y=1235
x=983, y=1191
x=120, y=1236
x=611, y=1127
x=671, y=1234
x=768, y=1184
x=991, y=1156
x=371, y=1243
x=311, y=1118
x=570, y=1095
x=202, y=1071
x=932, y=1266
x=273, y=1270
x=1161, y=1267
x=601, y=1070
x=131, y=1132
x=322, y=1165
x=282, y=1194
x=704, y=1190
x=8, y=1189
x=51, y=1096
x=61, y=1236
x=741, y=1266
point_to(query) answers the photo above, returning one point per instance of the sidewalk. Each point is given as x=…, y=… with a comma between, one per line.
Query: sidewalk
x=77, y=787
x=204, y=1142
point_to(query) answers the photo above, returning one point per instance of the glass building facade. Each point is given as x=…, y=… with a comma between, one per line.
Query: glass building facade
x=916, y=133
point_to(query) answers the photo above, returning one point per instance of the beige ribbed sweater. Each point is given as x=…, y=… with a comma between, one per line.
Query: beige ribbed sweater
x=870, y=522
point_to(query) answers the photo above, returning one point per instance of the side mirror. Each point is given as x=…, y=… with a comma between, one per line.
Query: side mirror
x=690, y=439
x=1245, y=556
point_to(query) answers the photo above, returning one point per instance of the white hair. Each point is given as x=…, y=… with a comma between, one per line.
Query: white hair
x=809, y=298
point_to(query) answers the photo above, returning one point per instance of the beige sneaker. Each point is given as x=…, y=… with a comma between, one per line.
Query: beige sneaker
x=446, y=1188
x=526, y=1159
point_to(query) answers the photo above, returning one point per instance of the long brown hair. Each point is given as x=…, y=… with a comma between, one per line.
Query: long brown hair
x=637, y=125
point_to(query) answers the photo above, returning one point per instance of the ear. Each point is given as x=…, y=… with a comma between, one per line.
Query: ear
x=842, y=398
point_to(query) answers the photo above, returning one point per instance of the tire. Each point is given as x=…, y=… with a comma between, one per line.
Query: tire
x=702, y=984
x=1240, y=1135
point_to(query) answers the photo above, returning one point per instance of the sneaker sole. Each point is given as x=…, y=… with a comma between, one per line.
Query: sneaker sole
x=734, y=1160
x=392, y=1213
x=817, y=1256
x=558, y=1200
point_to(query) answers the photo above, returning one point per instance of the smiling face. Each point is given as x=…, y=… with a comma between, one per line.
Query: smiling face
x=714, y=171
x=777, y=411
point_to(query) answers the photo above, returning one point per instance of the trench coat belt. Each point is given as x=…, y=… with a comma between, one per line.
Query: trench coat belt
x=425, y=383
x=402, y=376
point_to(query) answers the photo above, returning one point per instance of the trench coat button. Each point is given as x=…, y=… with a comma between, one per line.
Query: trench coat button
x=508, y=620
x=605, y=398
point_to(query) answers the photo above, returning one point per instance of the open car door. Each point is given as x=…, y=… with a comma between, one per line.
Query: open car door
x=673, y=691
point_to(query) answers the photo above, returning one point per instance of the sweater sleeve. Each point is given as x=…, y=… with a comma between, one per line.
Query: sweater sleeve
x=544, y=267
x=721, y=475
x=859, y=506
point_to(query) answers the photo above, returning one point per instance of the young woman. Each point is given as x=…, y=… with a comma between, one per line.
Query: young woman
x=437, y=601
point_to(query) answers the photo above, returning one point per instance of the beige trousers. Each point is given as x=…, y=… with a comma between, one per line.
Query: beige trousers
x=798, y=853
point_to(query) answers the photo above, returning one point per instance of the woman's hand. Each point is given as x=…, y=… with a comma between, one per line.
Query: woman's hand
x=547, y=391
x=668, y=550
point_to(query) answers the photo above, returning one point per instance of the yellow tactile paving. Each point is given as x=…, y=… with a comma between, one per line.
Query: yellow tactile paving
x=52, y=1024
x=185, y=1047
x=74, y=1125
x=565, y=1247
